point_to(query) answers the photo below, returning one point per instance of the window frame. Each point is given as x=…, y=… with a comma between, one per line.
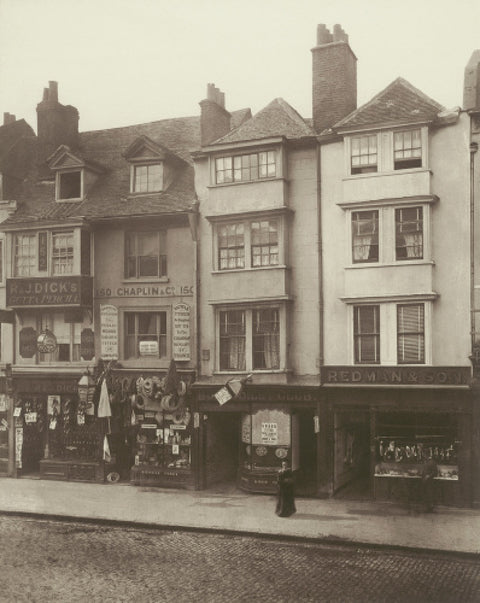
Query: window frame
x=355, y=236
x=162, y=258
x=58, y=184
x=358, y=336
x=136, y=312
x=45, y=319
x=420, y=220
x=249, y=243
x=236, y=167
x=146, y=165
x=405, y=163
x=33, y=258
x=51, y=254
x=250, y=363
x=421, y=334
x=369, y=167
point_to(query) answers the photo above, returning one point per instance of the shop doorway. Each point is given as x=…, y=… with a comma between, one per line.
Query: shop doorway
x=307, y=471
x=351, y=462
x=221, y=446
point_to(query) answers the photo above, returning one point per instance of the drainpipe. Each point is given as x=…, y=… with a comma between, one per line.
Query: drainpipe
x=473, y=150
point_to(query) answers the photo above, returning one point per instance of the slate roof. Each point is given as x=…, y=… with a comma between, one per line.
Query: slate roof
x=110, y=196
x=400, y=102
x=278, y=118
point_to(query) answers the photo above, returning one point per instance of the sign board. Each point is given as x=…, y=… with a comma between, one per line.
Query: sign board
x=27, y=342
x=223, y=396
x=148, y=348
x=109, y=332
x=396, y=376
x=54, y=291
x=270, y=434
x=181, y=332
x=87, y=344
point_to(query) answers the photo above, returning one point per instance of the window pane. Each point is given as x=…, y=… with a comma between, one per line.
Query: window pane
x=145, y=326
x=70, y=185
x=363, y=154
x=25, y=255
x=62, y=253
x=407, y=149
x=231, y=246
x=264, y=238
x=145, y=254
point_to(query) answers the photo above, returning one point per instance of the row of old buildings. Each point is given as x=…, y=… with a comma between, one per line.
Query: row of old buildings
x=194, y=300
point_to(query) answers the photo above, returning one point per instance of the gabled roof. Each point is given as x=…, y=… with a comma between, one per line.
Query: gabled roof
x=144, y=148
x=110, y=196
x=278, y=118
x=64, y=158
x=398, y=103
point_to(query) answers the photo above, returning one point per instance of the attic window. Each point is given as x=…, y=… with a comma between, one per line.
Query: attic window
x=407, y=149
x=147, y=178
x=69, y=185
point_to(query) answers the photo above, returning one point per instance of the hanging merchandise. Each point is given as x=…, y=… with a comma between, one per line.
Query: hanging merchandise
x=106, y=450
x=104, y=408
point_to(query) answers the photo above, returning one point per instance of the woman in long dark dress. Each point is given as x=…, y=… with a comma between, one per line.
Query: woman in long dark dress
x=286, y=492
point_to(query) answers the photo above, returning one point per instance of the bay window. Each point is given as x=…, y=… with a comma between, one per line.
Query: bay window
x=248, y=244
x=365, y=236
x=409, y=233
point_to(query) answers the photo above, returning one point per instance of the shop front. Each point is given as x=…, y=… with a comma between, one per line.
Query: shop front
x=244, y=441
x=382, y=433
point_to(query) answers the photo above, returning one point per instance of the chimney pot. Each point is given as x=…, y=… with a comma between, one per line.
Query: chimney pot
x=53, y=96
x=323, y=34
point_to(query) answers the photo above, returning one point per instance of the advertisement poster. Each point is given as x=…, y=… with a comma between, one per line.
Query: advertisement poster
x=270, y=433
x=181, y=332
x=109, y=332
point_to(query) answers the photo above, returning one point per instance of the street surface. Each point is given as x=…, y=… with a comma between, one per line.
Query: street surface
x=45, y=560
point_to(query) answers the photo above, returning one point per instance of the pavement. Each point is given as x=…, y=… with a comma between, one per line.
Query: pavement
x=228, y=510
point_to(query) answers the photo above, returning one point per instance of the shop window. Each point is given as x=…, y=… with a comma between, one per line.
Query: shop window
x=411, y=334
x=249, y=339
x=232, y=340
x=147, y=178
x=244, y=168
x=366, y=330
x=231, y=246
x=407, y=149
x=409, y=233
x=266, y=339
x=364, y=155
x=264, y=237
x=145, y=335
x=24, y=254
x=145, y=254
x=69, y=185
x=365, y=236
x=62, y=253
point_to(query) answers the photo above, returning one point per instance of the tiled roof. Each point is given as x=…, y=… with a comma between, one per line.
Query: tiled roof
x=278, y=118
x=110, y=196
x=400, y=102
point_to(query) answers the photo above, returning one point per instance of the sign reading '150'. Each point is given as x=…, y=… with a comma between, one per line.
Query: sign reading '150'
x=145, y=291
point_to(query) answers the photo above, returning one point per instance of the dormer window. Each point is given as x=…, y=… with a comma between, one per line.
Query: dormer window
x=147, y=178
x=69, y=185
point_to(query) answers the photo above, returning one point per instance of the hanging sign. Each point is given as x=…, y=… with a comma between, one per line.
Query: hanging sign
x=109, y=332
x=181, y=332
x=223, y=396
x=46, y=342
x=27, y=342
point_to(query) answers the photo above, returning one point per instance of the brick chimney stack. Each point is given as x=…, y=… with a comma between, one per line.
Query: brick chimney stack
x=471, y=83
x=334, y=77
x=8, y=118
x=57, y=124
x=214, y=118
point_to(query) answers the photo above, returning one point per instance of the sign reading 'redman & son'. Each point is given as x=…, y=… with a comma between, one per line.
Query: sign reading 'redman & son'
x=56, y=291
x=396, y=375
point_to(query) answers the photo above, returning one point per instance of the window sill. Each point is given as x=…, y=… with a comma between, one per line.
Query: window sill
x=224, y=184
x=133, y=195
x=390, y=264
x=75, y=200
x=153, y=279
x=386, y=173
x=250, y=269
x=253, y=371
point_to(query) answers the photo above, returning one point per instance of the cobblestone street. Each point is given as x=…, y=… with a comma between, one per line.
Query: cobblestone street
x=45, y=560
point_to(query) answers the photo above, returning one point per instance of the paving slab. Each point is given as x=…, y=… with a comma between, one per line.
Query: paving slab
x=362, y=522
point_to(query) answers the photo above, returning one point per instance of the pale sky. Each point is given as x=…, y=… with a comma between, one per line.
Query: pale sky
x=122, y=62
